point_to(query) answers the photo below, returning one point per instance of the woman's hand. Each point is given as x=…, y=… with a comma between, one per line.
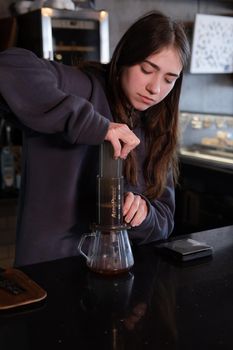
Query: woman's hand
x=135, y=316
x=135, y=209
x=122, y=139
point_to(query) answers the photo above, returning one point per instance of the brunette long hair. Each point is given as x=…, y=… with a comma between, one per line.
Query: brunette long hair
x=149, y=35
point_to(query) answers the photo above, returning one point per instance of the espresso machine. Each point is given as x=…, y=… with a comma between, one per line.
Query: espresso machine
x=109, y=249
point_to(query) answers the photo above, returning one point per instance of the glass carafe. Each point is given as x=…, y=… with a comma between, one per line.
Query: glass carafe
x=108, y=252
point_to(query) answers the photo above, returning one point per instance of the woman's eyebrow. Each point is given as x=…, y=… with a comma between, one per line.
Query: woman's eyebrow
x=158, y=69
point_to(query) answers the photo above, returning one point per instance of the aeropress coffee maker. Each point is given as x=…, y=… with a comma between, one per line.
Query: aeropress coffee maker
x=109, y=251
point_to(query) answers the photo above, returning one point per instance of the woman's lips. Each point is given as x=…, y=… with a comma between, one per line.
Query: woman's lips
x=146, y=100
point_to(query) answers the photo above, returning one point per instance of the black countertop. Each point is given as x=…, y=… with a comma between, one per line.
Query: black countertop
x=159, y=304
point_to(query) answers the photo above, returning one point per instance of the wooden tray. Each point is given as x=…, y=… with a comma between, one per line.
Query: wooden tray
x=32, y=291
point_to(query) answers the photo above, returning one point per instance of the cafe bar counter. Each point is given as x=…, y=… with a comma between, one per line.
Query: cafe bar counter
x=159, y=304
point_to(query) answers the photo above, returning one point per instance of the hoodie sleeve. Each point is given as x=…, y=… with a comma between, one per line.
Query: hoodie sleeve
x=159, y=222
x=49, y=97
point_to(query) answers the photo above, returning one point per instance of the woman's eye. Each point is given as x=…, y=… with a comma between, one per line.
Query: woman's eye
x=146, y=69
x=169, y=81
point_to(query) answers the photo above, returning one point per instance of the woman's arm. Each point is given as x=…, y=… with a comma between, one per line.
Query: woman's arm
x=35, y=92
x=156, y=220
x=48, y=97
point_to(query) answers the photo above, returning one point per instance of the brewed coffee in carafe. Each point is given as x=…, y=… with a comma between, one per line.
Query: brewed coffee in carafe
x=109, y=249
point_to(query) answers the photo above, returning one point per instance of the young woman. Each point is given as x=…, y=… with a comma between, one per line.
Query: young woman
x=67, y=112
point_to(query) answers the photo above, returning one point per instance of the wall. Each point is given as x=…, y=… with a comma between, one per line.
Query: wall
x=208, y=93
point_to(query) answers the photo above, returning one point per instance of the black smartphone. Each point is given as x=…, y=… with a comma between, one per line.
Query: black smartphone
x=184, y=249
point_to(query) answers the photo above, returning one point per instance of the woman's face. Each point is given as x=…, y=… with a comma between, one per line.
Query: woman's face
x=149, y=82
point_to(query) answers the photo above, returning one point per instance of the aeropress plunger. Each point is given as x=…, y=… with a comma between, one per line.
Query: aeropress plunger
x=109, y=249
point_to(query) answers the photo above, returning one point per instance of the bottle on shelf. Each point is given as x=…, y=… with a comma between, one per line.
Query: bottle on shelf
x=9, y=160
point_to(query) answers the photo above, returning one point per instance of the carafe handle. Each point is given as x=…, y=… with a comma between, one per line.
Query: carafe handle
x=83, y=238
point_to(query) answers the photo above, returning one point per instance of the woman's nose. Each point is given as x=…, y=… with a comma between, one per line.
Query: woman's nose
x=153, y=87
